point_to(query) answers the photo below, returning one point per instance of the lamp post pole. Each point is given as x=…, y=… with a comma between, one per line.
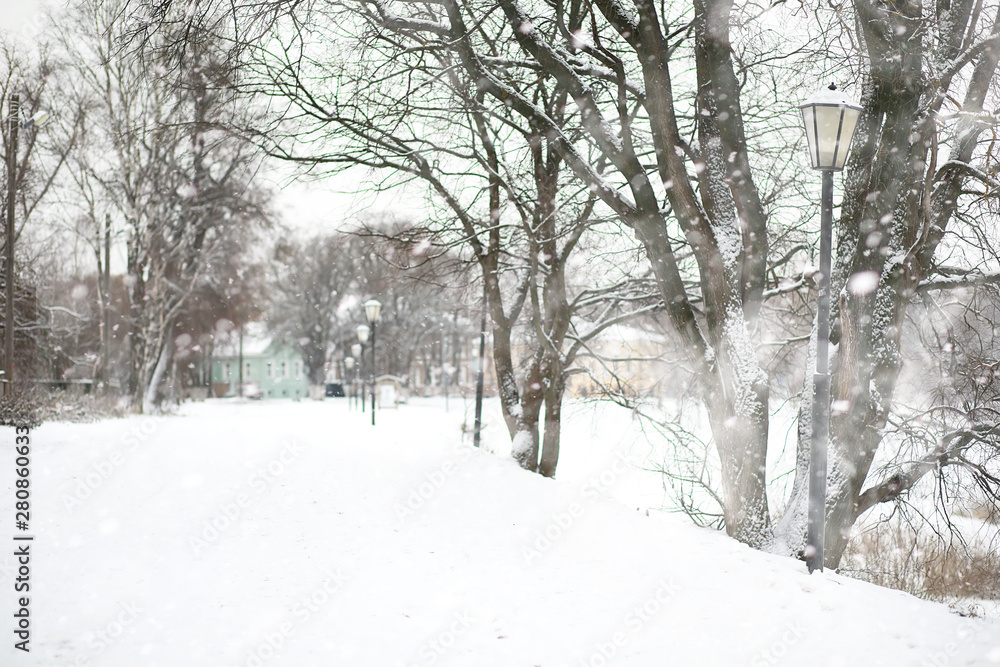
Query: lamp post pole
x=479, y=371
x=816, y=532
x=372, y=310
x=373, y=373
x=830, y=119
x=8, y=330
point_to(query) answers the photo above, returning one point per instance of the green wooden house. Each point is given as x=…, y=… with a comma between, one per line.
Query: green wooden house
x=271, y=368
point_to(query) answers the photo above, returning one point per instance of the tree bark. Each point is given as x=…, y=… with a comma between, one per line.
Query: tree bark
x=554, y=391
x=150, y=402
x=135, y=285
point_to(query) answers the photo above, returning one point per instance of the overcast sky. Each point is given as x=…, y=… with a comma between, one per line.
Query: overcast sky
x=310, y=207
x=17, y=16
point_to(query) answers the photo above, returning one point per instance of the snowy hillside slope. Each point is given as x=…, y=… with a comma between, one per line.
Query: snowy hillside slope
x=280, y=533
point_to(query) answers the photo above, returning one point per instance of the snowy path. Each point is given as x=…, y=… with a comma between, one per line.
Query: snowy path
x=282, y=533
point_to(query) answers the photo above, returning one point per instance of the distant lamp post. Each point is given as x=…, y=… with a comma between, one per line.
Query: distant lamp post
x=15, y=124
x=830, y=119
x=363, y=332
x=373, y=309
x=348, y=365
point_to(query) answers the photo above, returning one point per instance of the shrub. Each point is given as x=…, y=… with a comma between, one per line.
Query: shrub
x=21, y=407
x=63, y=406
x=940, y=567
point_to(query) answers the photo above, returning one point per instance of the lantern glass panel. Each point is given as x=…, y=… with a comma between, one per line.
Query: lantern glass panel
x=823, y=125
x=830, y=120
x=847, y=135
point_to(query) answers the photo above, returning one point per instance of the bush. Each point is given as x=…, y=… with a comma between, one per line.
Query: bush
x=70, y=407
x=22, y=407
x=935, y=567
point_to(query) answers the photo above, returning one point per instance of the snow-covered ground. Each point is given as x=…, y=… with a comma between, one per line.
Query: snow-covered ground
x=281, y=533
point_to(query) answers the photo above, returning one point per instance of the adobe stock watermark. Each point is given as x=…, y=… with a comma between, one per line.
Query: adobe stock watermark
x=778, y=649
x=434, y=648
x=433, y=482
x=635, y=620
x=33, y=27
x=101, y=640
x=561, y=522
x=229, y=513
x=305, y=608
x=100, y=472
x=949, y=654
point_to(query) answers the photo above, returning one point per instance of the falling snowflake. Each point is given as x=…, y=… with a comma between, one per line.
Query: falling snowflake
x=183, y=341
x=863, y=283
x=421, y=248
x=580, y=40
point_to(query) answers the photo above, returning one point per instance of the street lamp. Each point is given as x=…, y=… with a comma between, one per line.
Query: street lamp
x=363, y=332
x=348, y=365
x=372, y=310
x=829, y=118
x=15, y=124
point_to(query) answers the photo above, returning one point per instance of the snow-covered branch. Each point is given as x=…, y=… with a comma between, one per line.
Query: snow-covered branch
x=971, y=280
x=397, y=22
x=948, y=452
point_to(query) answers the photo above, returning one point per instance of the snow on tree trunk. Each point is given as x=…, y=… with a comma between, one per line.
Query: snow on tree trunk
x=524, y=448
x=526, y=451
x=868, y=368
x=149, y=399
x=790, y=527
x=737, y=407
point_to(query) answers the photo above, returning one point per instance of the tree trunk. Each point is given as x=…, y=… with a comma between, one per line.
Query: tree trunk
x=106, y=309
x=526, y=442
x=881, y=223
x=149, y=398
x=790, y=527
x=136, y=300
x=738, y=415
x=553, y=424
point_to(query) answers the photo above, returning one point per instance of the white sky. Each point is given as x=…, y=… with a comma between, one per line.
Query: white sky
x=310, y=206
x=18, y=17
x=305, y=207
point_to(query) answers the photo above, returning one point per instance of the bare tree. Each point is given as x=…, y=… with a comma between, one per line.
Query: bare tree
x=38, y=163
x=182, y=184
x=503, y=192
x=681, y=127
x=310, y=280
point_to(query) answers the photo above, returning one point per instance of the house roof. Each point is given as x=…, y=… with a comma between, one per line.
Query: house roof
x=256, y=341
